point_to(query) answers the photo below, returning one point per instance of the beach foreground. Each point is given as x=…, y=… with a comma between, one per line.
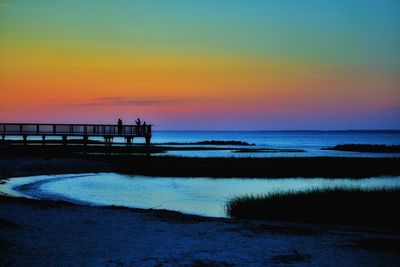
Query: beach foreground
x=39, y=233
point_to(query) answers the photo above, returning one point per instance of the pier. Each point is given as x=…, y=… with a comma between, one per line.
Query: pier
x=85, y=131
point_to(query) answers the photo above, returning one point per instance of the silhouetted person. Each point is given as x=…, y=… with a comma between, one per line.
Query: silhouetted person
x=120, y=127
x=138, y=123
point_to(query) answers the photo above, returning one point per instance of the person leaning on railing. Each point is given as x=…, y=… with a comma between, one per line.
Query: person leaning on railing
x=138, y=126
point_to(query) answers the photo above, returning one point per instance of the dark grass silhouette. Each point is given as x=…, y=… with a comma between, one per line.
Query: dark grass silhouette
x=98, y=147
x=373, y=208
x=213, y=142
x=267, y=150
x=366, y=148
x=329, y=167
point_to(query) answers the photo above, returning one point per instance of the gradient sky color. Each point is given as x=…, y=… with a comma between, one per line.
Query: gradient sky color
x=202, y=64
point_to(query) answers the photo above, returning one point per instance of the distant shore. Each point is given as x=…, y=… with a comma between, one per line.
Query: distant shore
x=77, y=146
x=58, y=159
x=366, y=148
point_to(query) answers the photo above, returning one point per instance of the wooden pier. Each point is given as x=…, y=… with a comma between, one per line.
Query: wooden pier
x=108, y=132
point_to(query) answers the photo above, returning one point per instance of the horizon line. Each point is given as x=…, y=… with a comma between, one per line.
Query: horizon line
x=282, y=130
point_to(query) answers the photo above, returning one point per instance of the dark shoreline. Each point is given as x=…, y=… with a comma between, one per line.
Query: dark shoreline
x=211, y=142
x=54, y=148
x=13, y=166
x=367, y=148
x=35, y=162
x=174, y=216
x=326, y=167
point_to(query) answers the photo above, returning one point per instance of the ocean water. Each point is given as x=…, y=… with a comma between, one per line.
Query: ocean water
x=312, y=142
x=201, y=196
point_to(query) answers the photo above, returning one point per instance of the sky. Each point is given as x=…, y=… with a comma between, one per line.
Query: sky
x=202, y=64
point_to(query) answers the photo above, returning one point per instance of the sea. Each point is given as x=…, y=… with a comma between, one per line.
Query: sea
x=312, y=142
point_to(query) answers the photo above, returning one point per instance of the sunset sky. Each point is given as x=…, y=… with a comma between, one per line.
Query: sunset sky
x=202, y=64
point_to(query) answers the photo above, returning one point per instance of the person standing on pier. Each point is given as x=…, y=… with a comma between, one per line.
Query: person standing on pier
x=138, y=123
x=120, y=127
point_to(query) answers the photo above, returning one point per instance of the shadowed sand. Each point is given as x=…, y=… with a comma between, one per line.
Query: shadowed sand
x=41, y=233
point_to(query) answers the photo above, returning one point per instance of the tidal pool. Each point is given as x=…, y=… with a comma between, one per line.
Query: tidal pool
x=200, y=196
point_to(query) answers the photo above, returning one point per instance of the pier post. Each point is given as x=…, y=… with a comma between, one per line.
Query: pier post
x=110, y=140
x=43, y=140
x=128, y=144
x=107, y=141
x=105, y=144
x=64, y=140
x=25, y=138
x=148, y=138
x=85, y=142
x=128, y=141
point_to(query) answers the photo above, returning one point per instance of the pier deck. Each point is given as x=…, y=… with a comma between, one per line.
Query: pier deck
x=108, y=132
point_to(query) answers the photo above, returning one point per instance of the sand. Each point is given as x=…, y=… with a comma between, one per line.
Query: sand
x=41, y=233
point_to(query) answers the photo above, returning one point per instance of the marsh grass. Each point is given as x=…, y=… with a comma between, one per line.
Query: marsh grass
x=376, y=207
x=366, y=148
x=135, y=161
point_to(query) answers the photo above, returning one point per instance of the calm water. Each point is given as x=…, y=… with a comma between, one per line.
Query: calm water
x=201, y=196
x=310, y=141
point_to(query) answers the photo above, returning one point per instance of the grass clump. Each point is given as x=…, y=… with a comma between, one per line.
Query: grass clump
x=376, y=208
x=366, y=148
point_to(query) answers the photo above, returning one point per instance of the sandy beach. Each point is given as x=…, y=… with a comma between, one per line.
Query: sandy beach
x=40, y=233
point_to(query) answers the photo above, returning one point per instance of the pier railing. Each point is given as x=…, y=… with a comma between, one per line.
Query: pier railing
x=75, y=130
